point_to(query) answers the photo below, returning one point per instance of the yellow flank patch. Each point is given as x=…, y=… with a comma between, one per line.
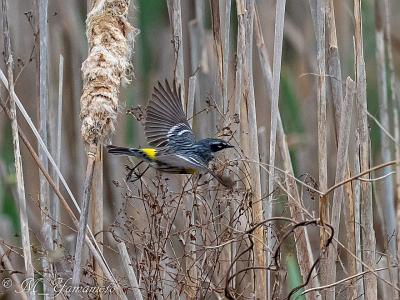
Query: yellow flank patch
x=150, y=152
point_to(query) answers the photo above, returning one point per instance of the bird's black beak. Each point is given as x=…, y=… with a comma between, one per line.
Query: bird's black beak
x=229, y=145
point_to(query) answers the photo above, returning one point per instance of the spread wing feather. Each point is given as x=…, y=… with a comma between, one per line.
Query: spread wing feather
x=166, y=121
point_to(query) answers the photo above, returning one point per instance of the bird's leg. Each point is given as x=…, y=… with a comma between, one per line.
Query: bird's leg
x=138, y=176
x=132, y=170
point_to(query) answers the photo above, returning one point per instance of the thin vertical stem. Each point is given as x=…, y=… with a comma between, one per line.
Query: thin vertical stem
x=87, y=189
x=126, y=262
x=276, y=75
x=368, y=233
x=23, y=216
x=385, y=186
x=56, y=204
x=341, y=170
x=97, y=209
x=225, y=50
x=43, y=108
x=175, y=11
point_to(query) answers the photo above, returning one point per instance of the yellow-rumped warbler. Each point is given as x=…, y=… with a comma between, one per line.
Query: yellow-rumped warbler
x=173, y=147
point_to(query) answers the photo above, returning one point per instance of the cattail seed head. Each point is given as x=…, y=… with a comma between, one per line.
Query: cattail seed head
x=106, y=66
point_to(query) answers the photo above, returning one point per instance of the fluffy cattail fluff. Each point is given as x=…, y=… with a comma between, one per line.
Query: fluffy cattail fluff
x=106, y=66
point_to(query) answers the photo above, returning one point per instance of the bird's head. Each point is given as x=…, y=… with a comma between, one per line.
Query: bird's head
x=216, y=145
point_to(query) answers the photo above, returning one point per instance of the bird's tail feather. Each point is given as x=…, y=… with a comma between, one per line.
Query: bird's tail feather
x=117, y=150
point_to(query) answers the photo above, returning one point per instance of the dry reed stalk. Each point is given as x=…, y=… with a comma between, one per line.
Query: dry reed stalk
x=341, y=171
x=395, y=106
x=55, y=208
x=97, y=210
x=126, y=261
x=175, y=14
x=319, y=8
x=357, y=216
x=249, y=137
x=191, y=97
x=335, y=80
x=276, y=75
x=225, y=52
x=44, y=196
x=217, y=34
x=23, y=217
x=103, y=71
x=190, y=247
x=385, y=186
x=241, y=129
x=199, y=12
x=368, y=233
x=268, y=208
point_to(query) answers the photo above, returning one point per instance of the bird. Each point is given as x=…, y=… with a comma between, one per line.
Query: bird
x=173, y=147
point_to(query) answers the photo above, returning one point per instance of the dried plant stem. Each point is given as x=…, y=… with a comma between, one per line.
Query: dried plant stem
x=175, y=12
x=395, y=108
x=335, y=80
x=23, y=217
x=248, y=115
x=217, y=34
x=43, y=108
x=126, y=262
x=191, y=98
x=87, y=190
x=386, y=185
x=242, y=128
x=319, y=9
x=357, y=216
x=225, y=51
x=97, y=209
x=368, y=233
x=276, y=75
x=56, y=203
x=341, y=170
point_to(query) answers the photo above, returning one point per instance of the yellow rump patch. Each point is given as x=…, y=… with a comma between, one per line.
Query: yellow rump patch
x=150, y=152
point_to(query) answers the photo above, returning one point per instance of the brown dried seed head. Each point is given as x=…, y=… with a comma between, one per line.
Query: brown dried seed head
x=105, y=68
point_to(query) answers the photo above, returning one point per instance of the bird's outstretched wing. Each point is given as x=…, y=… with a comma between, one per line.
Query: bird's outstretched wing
x=166, y=123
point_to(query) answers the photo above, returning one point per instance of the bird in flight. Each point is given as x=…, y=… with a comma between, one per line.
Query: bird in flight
x=173, y=147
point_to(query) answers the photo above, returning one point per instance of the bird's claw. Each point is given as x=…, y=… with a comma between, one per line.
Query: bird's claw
x=131, y=172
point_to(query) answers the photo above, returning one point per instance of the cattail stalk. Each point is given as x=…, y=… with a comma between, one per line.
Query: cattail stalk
x=103, y=71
